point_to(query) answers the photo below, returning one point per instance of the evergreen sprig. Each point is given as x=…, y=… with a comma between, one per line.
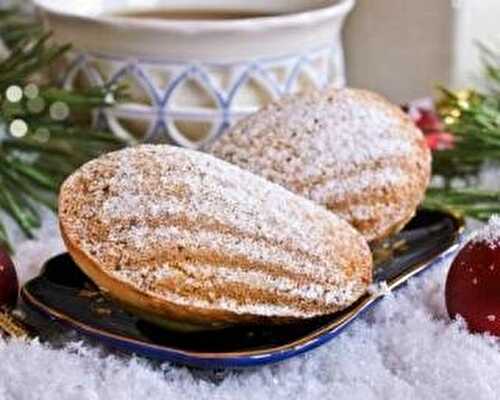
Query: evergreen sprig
x=33, y=166
x=473, y=117
x=477, y=134
x=469, y=202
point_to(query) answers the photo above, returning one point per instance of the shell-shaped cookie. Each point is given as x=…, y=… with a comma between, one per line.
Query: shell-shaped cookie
x=349, y=150
x=180, y=235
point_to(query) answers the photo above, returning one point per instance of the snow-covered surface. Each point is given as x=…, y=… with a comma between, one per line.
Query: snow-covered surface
x=406, y=348
x=490, y=233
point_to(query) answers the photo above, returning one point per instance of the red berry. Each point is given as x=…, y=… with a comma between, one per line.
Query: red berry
x=440, y=140
x=9, y=285
x=429, y=121
x=473, y=286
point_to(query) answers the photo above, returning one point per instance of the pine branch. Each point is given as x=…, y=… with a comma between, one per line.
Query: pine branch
x=16, y=27
x=473, y=203
x=34, y=163
x=473, y=118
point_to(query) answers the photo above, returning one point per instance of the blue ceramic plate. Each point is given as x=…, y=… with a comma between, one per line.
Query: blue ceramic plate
x=62, y=292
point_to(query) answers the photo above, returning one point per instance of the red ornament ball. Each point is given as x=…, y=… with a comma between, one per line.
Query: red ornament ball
x=473, y=283
x=9, y=284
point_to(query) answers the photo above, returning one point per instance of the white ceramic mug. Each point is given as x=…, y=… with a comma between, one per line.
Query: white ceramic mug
x=190, y=79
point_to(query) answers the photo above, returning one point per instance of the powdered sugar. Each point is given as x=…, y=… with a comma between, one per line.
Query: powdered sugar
x=208, y=274
x=341, y=148
x=139, y=237
x=380, y=288
x=390, y=176
x=160, y=217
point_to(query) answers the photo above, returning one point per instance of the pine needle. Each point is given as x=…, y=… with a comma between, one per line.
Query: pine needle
x=33, y=166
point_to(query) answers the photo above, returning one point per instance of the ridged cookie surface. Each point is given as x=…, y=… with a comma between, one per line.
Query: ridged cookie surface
x=181, y=235
x=346, y=149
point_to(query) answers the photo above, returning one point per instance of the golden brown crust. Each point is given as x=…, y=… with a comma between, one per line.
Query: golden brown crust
x=179, y=235
x=349, y=150
x=146, y=303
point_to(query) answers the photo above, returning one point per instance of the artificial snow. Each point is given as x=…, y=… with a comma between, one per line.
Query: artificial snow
x=490, y=233
x=405, y=348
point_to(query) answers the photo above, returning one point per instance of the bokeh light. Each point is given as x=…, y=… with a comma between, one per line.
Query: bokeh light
x=31, y=91
x=59, y=111
x=14, y=94
x=109, y=99
x=18, y=128
x=42, y=135
x=35, y=105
